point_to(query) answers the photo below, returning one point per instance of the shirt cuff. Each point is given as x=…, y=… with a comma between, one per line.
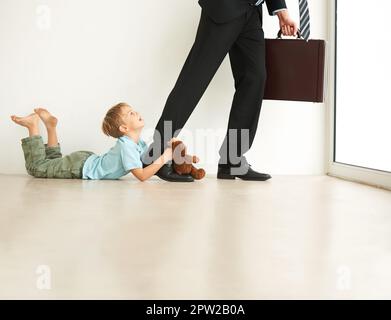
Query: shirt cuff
x=275, y=11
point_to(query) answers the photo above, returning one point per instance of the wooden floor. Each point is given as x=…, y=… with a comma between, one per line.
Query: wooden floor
x=290, y=237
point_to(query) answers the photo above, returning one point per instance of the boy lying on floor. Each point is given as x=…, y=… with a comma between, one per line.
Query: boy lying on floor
x=121, y=121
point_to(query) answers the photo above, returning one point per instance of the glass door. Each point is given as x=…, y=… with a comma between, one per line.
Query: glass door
x=361, y=105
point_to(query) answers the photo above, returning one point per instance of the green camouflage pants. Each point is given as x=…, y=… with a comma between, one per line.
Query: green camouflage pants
x=47, y=162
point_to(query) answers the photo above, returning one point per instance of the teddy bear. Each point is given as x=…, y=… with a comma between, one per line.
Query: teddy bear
x=183, y=163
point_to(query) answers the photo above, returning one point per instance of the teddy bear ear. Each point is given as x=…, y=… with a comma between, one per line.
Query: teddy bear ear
x=175, y=144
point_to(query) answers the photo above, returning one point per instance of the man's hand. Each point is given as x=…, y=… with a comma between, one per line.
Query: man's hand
x=287, y=25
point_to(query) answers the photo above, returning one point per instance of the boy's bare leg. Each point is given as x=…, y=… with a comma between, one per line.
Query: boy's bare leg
x=50, y=122
x=31, y=122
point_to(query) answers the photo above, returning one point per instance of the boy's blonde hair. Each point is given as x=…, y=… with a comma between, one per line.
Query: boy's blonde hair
x=113, y=121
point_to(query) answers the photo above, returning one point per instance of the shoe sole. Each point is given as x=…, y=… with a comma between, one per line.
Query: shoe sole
x=176, y=180
x=225, y=176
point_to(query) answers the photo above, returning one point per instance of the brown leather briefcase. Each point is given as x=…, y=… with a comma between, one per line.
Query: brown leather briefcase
x=295, y=69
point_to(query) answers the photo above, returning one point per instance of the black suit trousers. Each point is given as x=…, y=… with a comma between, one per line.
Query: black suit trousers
x=243, y=38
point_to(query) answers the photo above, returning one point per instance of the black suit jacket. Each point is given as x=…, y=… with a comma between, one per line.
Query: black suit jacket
x=225, y=10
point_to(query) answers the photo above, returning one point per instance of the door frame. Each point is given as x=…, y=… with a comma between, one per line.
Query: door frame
x=368, y=176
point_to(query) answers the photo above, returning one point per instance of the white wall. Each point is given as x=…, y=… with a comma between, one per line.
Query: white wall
x=94, y=53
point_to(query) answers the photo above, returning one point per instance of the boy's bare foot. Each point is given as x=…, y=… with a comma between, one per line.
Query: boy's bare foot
x=47, y=118
x=29, y=121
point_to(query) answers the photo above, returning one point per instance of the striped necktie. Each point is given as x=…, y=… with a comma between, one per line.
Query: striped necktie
x=304, y=19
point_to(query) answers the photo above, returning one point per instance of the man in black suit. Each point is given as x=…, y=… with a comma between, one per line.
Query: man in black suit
x=226, y=26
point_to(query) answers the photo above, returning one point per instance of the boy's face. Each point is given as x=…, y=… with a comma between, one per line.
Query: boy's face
x=131, y=120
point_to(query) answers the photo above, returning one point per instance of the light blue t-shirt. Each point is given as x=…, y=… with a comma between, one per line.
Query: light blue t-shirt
x=124, y=156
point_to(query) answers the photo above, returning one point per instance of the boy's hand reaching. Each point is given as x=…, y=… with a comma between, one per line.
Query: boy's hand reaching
x=167, y=154
x=169, y=143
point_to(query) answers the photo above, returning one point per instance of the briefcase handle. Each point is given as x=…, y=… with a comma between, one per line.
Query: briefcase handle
x=298, y=34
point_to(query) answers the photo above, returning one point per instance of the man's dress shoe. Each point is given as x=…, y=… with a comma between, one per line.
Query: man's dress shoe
x=167, y=173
